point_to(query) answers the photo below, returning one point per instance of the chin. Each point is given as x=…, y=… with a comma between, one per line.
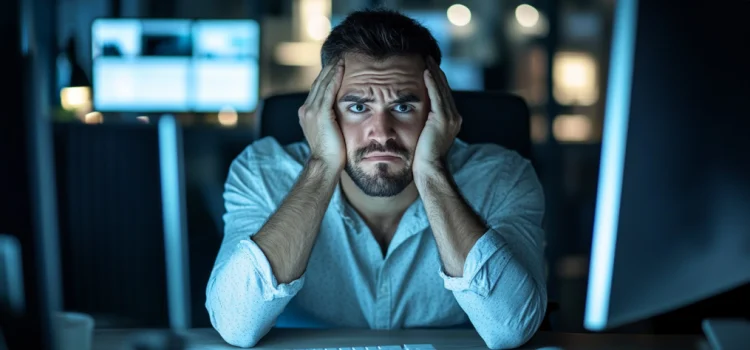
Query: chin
x=383, y=169
x=381, y=180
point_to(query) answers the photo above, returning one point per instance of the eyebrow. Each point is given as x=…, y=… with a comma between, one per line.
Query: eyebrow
x=407, y=97
x=403, y=98
x=356, y=99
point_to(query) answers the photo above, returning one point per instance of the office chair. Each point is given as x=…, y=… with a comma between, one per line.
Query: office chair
x=488, y=117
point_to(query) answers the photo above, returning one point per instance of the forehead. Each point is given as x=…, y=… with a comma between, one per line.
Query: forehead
x=400, y=72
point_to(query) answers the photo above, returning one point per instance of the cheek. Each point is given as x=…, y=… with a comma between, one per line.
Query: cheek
x=409, y=135
x=351, y=134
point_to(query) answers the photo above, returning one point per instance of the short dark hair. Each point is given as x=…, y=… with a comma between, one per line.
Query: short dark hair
x=380, y=34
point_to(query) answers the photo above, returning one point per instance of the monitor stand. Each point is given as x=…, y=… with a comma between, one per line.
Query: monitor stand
x=727, y=333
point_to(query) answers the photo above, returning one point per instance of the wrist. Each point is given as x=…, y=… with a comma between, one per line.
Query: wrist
x=324, y=168
x=427, y=172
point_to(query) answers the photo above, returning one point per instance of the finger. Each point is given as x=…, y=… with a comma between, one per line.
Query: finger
x=317, y=82
x=435, y=72
x=327, y=92
x=433, y=92
x=323, y=83
x=332, y=89
x=440, y=77
x=445, y=90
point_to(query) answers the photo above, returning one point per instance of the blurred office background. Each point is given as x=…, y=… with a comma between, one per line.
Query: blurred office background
x=123, y=64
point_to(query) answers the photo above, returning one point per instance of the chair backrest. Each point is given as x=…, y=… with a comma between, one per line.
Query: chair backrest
x=489, y=117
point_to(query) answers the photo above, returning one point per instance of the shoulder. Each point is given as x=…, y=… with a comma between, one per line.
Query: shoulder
x=489, y=173
x=267, y=154
x=265, y=166
x=486, y=160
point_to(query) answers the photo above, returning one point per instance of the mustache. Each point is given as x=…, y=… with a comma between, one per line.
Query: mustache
x=391, y=146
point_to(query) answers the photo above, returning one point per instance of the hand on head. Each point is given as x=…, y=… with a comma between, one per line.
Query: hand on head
x=318, y=119
x=443, y=122
x=322, y=130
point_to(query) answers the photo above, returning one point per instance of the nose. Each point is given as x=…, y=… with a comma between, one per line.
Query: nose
x=380, y=127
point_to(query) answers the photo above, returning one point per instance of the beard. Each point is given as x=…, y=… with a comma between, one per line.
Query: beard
x=382, y=183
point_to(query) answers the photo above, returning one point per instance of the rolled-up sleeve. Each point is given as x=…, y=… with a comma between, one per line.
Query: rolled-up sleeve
x=243, y=298
x=503, y=289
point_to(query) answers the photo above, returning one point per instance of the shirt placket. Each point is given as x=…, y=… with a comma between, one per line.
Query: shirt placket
x=381, y=313
x=383, y=301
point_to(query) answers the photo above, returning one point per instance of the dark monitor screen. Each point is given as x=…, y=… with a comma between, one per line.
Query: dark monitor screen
x=672, y=225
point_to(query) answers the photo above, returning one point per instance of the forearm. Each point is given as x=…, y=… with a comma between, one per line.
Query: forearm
x=288, y=236
x=501, y=286
x=264, y=254
x=454, y=223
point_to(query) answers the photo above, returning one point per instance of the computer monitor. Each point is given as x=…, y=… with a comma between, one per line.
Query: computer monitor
x=175, y=65
x=672, y=222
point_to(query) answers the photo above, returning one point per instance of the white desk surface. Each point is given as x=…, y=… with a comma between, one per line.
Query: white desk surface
x=205, y=338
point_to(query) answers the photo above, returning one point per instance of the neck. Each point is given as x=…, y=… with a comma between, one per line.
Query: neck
x=382, y=209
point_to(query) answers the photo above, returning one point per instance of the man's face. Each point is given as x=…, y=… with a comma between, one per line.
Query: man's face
x=382, y=107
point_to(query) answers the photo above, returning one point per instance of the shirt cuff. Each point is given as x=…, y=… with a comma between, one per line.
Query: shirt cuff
x=480, y=276
x=269, y=287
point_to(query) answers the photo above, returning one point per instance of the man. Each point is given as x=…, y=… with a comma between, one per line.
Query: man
x=385, y=220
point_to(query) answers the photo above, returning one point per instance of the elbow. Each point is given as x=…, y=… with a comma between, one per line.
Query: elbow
x=510, y=335
x=507, y=338
x=240, y=338
x=233, y=324
x=241, y=309
x=237, y=331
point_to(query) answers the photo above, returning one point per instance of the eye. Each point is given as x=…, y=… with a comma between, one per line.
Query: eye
x=403, y=108
x=357, y=108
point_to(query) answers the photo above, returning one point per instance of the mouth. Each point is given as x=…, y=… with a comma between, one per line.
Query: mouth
x=382, y=157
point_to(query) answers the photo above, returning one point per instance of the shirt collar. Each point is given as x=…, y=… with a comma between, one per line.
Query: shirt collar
x=415, y=217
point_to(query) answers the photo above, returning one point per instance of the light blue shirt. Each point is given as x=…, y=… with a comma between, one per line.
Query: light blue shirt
x=350, y=284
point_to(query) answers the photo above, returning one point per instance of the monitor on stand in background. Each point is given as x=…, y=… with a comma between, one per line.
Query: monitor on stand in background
x=175, y=65
x=672, y=220
x=174, y=217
